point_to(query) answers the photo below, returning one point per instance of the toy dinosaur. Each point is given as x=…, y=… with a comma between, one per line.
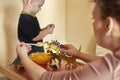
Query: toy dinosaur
x=45, y=58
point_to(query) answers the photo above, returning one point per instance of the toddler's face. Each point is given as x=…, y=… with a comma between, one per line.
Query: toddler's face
x=36, y=6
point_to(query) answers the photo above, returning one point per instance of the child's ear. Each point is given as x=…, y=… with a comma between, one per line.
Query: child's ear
x=29, y=2
x=108, y=25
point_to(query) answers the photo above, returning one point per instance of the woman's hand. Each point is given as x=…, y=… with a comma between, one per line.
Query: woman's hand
x=22, y=49
x=70, y=50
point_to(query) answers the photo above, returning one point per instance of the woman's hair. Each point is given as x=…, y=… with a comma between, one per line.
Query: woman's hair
x=109, y=8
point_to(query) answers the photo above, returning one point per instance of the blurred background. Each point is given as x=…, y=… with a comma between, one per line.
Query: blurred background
x=72, y=19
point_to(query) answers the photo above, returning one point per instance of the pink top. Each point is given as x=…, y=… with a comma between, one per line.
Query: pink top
x=107, y=68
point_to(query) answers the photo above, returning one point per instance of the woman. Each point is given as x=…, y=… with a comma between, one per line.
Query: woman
x=106, y=15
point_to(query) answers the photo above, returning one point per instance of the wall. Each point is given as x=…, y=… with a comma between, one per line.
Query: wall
x=79, y=29
x=2, y=40
x=8, y=37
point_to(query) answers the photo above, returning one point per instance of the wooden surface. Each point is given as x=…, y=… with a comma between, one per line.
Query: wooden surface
x=10, y=74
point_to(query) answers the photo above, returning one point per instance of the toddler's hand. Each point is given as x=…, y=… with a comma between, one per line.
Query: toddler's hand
x=50, y=28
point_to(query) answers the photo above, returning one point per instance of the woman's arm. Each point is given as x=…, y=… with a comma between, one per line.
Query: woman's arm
x=86, y=57
x=32, y=68
x=72, y=51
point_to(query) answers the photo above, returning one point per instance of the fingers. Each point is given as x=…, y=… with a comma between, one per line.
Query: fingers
x=51, y=25
x=65, y=48
x=22, y=49
x=62, y=50
x=50, y=28
x=22, y=44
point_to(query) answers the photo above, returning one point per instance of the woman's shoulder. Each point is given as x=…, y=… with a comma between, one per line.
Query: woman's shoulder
x=112, y=61
x=112, y=57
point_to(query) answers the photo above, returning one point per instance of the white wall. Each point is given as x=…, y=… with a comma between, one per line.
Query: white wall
x=79, y=30
x=7, y=27
x=2, y=40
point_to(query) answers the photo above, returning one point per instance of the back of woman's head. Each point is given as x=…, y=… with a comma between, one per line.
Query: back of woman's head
x=109, y=8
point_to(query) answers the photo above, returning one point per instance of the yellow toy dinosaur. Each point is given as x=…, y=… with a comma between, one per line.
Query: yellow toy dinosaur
x=45, y=58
